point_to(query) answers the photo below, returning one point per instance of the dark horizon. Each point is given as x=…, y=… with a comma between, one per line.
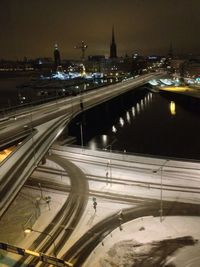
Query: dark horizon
x=31, y=28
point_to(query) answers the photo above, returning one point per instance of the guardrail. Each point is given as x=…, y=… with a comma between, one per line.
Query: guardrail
x=41, y=256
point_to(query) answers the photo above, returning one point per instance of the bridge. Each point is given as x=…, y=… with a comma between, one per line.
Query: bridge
x=41, y=125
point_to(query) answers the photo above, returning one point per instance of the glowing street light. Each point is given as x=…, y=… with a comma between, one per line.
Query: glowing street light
x=29, y=230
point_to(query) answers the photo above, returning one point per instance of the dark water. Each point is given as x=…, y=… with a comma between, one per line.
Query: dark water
x=142, y=122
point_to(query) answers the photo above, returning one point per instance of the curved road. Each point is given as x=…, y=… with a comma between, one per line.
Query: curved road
x=68, y=216
x=80, y=251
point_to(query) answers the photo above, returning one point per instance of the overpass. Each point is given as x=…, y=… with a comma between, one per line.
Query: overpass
x=42, y=125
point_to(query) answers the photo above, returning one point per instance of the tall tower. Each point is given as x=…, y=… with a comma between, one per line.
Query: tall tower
x=170, y=52
x=57, y=60
x=113, y=47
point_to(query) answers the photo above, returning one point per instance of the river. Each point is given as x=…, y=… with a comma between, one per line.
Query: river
x=142, y=122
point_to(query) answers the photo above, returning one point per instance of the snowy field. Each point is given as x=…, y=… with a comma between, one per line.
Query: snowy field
x=149, y=242
x=137, y=241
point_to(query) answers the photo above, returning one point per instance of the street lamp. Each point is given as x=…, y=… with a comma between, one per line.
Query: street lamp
x=41, y=192
x=29, y=230
x=161, y=188
x=72, y=105
x=32, y=135
x=56, y=97
x=81, y=131
x=110, y=161
x=109, y=164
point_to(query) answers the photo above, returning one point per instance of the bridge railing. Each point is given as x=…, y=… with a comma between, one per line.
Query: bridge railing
x=42, y=257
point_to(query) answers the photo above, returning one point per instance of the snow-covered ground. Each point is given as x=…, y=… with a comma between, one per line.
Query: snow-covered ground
x=141, y=231
x=122, y=248
x=28, y=210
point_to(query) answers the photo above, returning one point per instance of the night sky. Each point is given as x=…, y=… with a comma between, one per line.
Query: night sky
x=31, y=27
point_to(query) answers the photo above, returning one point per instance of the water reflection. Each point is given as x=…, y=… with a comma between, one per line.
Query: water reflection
x=145, y=100
x=93, y=145
x=133, y=111
x=121, y=122
x=142, y=104
x=172, y=108
x=138, y=108
x=114, y=130
x=136, y=128
x=128, y=117
x=104, y=139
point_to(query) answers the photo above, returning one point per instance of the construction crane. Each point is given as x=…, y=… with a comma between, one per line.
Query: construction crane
x=83, y=47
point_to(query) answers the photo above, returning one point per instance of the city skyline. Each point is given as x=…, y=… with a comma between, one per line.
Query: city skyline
x=31, y=29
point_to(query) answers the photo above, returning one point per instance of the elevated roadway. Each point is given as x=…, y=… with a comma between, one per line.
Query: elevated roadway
x=42, y=125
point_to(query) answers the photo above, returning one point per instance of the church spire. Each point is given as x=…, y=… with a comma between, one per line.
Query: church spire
x=170, y=53
x=113, y=47
x=113, y=35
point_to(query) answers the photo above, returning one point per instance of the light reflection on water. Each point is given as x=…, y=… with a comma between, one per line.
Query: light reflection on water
x=152, y=125
x=172, y=108
x=104, y=140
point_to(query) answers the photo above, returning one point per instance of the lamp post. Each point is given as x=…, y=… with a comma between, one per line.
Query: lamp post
x=29, y=230
x=109, y=164
x=110, y=160
x=81, y=129
x=72, y=105
x=41, y=192
x=161, y=188
x=56, y=98
x=32, y=138
x=81, y=132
